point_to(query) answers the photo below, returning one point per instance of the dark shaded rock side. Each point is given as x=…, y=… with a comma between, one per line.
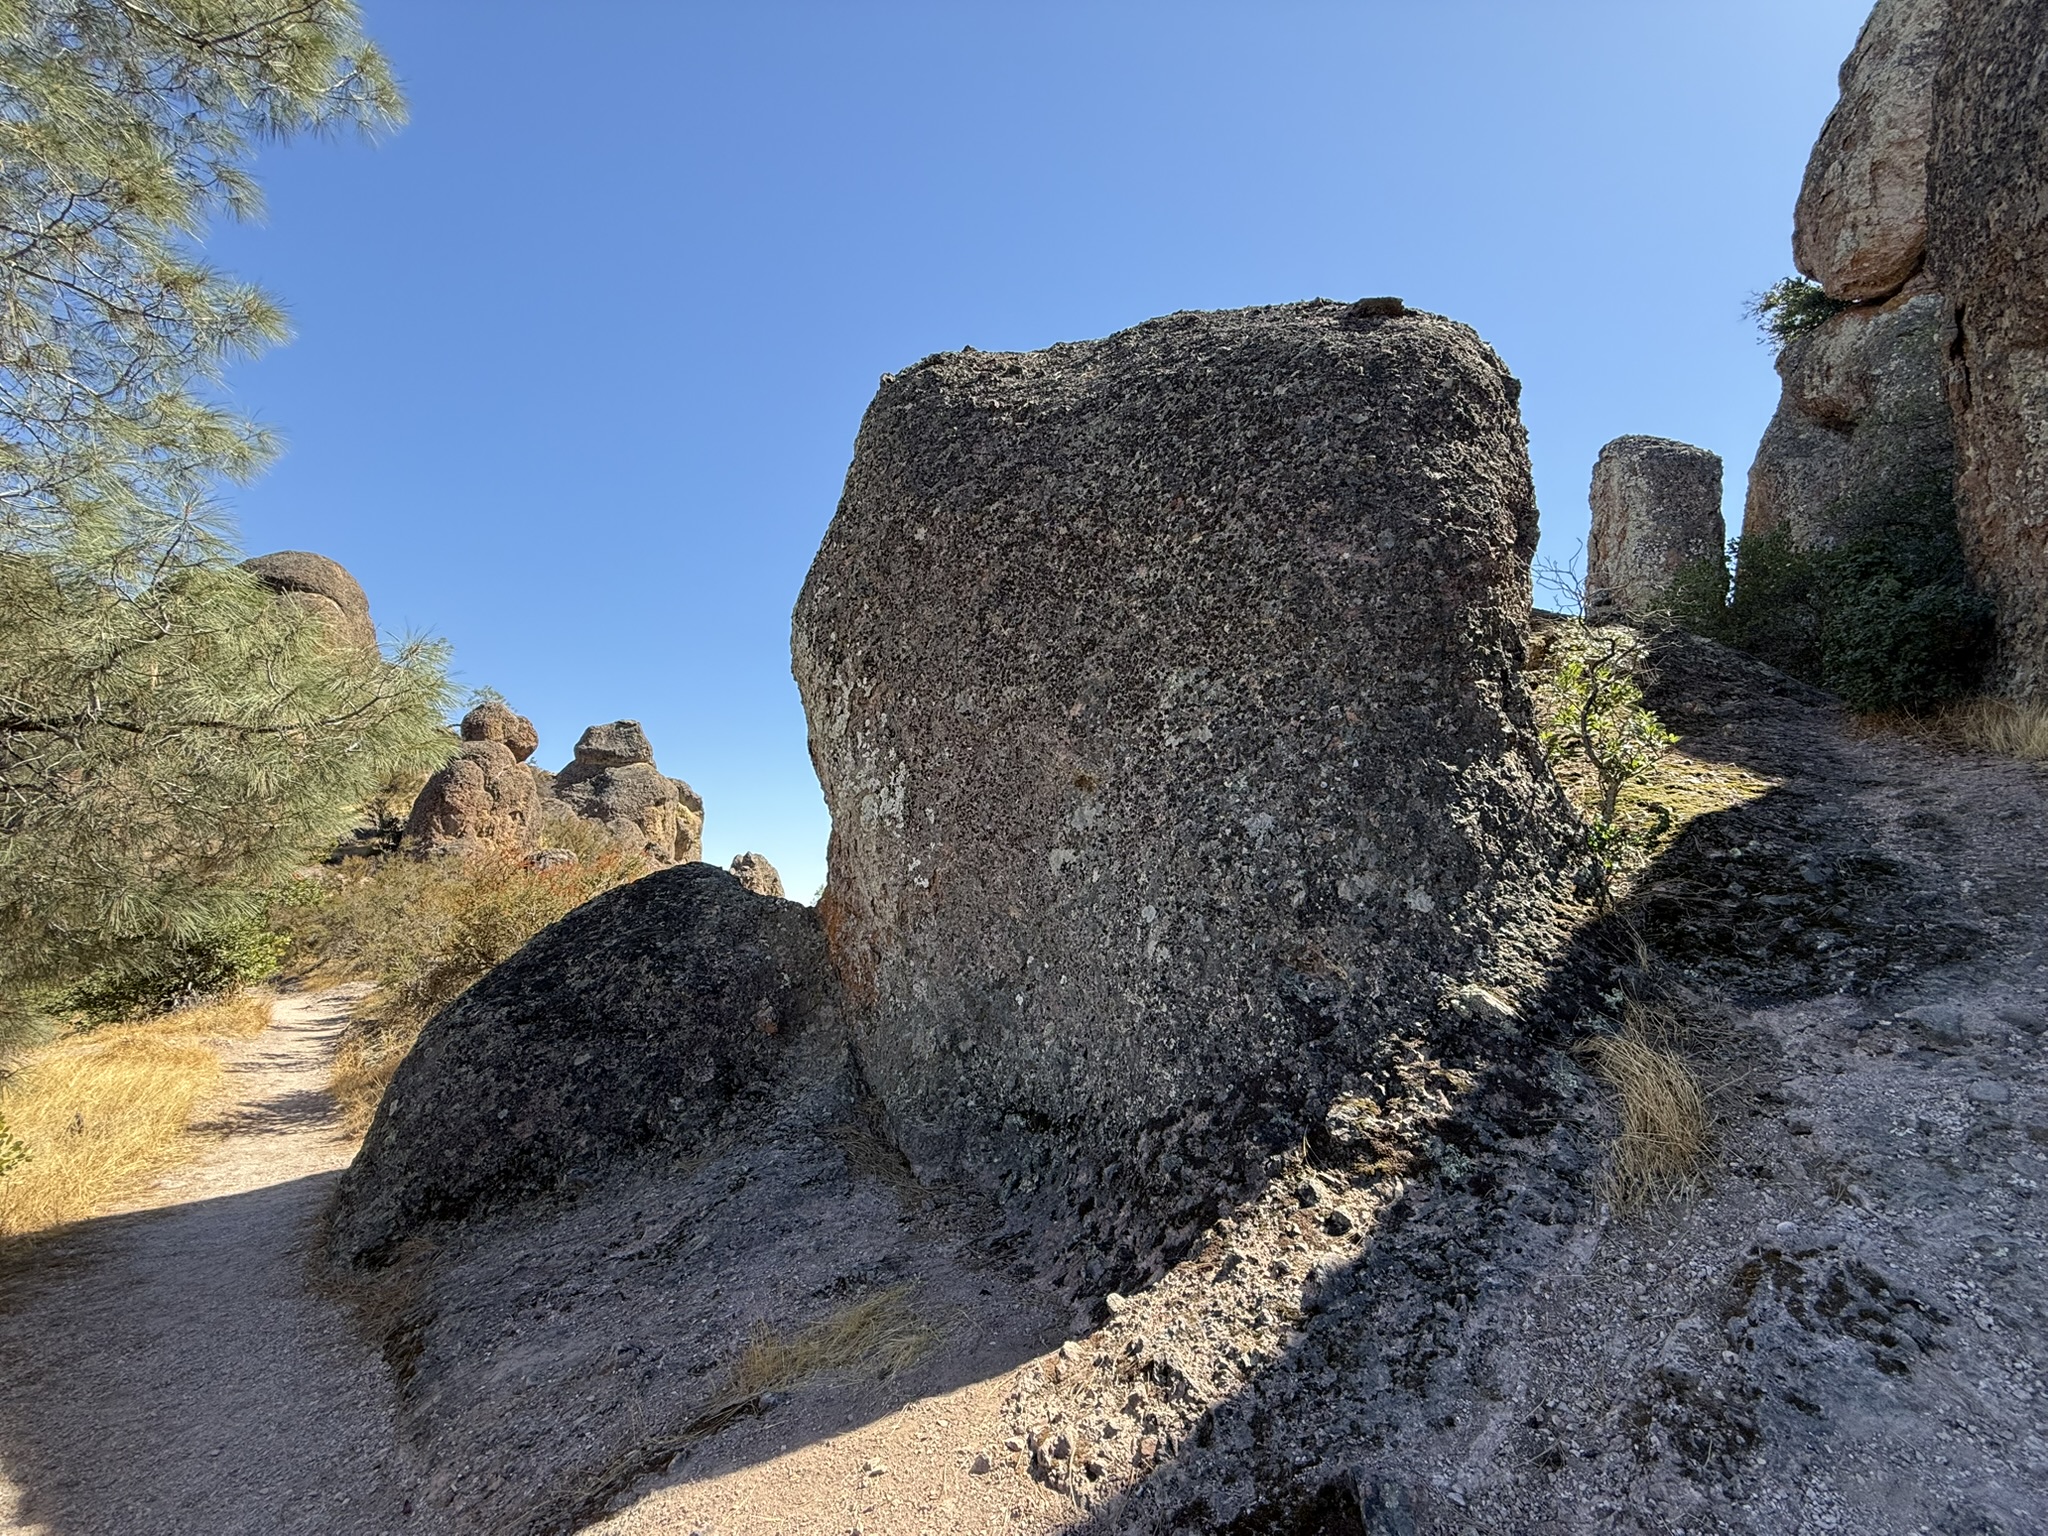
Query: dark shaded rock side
x=644, y=1022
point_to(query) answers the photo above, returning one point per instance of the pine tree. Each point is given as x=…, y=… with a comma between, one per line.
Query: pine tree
x=172, y=740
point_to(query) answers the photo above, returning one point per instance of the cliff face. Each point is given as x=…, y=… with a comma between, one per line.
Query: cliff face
x=1924, y=209
x=1987, y=248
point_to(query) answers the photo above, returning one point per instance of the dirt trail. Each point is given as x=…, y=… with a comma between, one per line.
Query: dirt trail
x=168, y=1370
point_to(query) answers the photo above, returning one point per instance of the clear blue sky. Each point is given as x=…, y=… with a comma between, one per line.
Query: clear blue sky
x=581, y=351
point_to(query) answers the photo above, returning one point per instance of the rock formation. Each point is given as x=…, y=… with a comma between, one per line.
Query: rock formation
x=321, y=586
x=493, y=720
x=1656, y=509
x=757, y=874
x=483, y=799
x=1164, y=694
x=613, y=781
x=1860, y=228
x=1863, y=414
x=1925, y=206
x=645, y=1020
x=1988, y=251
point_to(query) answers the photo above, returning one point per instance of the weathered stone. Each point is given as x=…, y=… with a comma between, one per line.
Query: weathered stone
x=1988, y=251
x=617, y=745
x=757, y=874
x=634, y=802
x=1165, y=694
x=493, y=720
x=1863, y=417
x=483, y=798
x=1656, y=509
x=689, y=824
x=1860, y=229
x=645, y=1021
x=321, y=586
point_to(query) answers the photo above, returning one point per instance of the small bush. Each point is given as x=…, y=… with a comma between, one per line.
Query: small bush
x=1793, y=305
x=155, y=978
x=425, y=930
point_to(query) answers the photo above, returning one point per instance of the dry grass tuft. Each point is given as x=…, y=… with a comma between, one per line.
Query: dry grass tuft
x=99, y=1113
x=1665, y=1123
x=878, y=1332
x=1999, y=726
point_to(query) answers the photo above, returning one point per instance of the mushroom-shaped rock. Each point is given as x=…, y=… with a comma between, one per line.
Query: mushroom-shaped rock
x=321, y=586
x=1860, y=229
x=647, y=1020
x=757, y=874
x=484, y=798
x=612, y=746
x=1164, y=692
x=493, y=720
x=1656, y=509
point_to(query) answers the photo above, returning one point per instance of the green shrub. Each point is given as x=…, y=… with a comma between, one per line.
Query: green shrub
x=1792, y=305
x=157, y=977
x=1888, y=617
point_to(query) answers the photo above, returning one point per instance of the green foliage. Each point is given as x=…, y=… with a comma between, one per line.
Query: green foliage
x=1888, y=617
x=1590, y=712
x=172, y=740
x=124, y=126
x=170, y=752
x=152, y=978
x=1792, y=305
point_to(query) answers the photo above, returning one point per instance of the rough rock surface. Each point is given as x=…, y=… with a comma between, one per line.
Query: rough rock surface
x=1860, y=229
x=494, y=721
x=322, y=586
x=483, y=798
x=1863, y=410
x=1988, y=249
x=642, y=1023
x=617, y=745
x=689, y=824
x=1656, y=508
x=757, y=874
x=1164, y=693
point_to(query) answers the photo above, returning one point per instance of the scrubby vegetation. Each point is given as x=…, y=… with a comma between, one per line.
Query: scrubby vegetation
x=91, y=1115
x=1793, y=305
x=1887, y=617
x=424, y=930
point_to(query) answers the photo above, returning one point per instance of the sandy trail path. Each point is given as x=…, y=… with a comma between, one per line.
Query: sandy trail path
x=168, y=1370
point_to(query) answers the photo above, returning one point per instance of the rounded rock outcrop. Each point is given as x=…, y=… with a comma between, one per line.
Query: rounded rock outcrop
x=757, y=874
x=1164, y=692
x=321, y=586
x=493, y=720
x=483, y=798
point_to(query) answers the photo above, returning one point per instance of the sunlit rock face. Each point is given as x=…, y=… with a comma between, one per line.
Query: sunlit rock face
x=1164, y=694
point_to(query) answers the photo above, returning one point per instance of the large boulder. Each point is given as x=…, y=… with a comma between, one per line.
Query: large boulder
x=322, y=587
x=1988, y=251
x=1863, y=419
x=643, y=1023
x=493, y=720
x=1860, y=229
x=689, y=824
x=618, y=745
x=484, y=798
x=1164, y=692
x=1656, y=509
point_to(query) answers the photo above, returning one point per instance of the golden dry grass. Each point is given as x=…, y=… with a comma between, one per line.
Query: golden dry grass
x=1665, y=1123
x=2001, y=726
x=99, y=1113
x=878, y=1332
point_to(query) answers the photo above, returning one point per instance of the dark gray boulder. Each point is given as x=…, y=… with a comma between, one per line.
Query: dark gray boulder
x=645, y=1022
x=1164, y=691
x=1656, y=507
